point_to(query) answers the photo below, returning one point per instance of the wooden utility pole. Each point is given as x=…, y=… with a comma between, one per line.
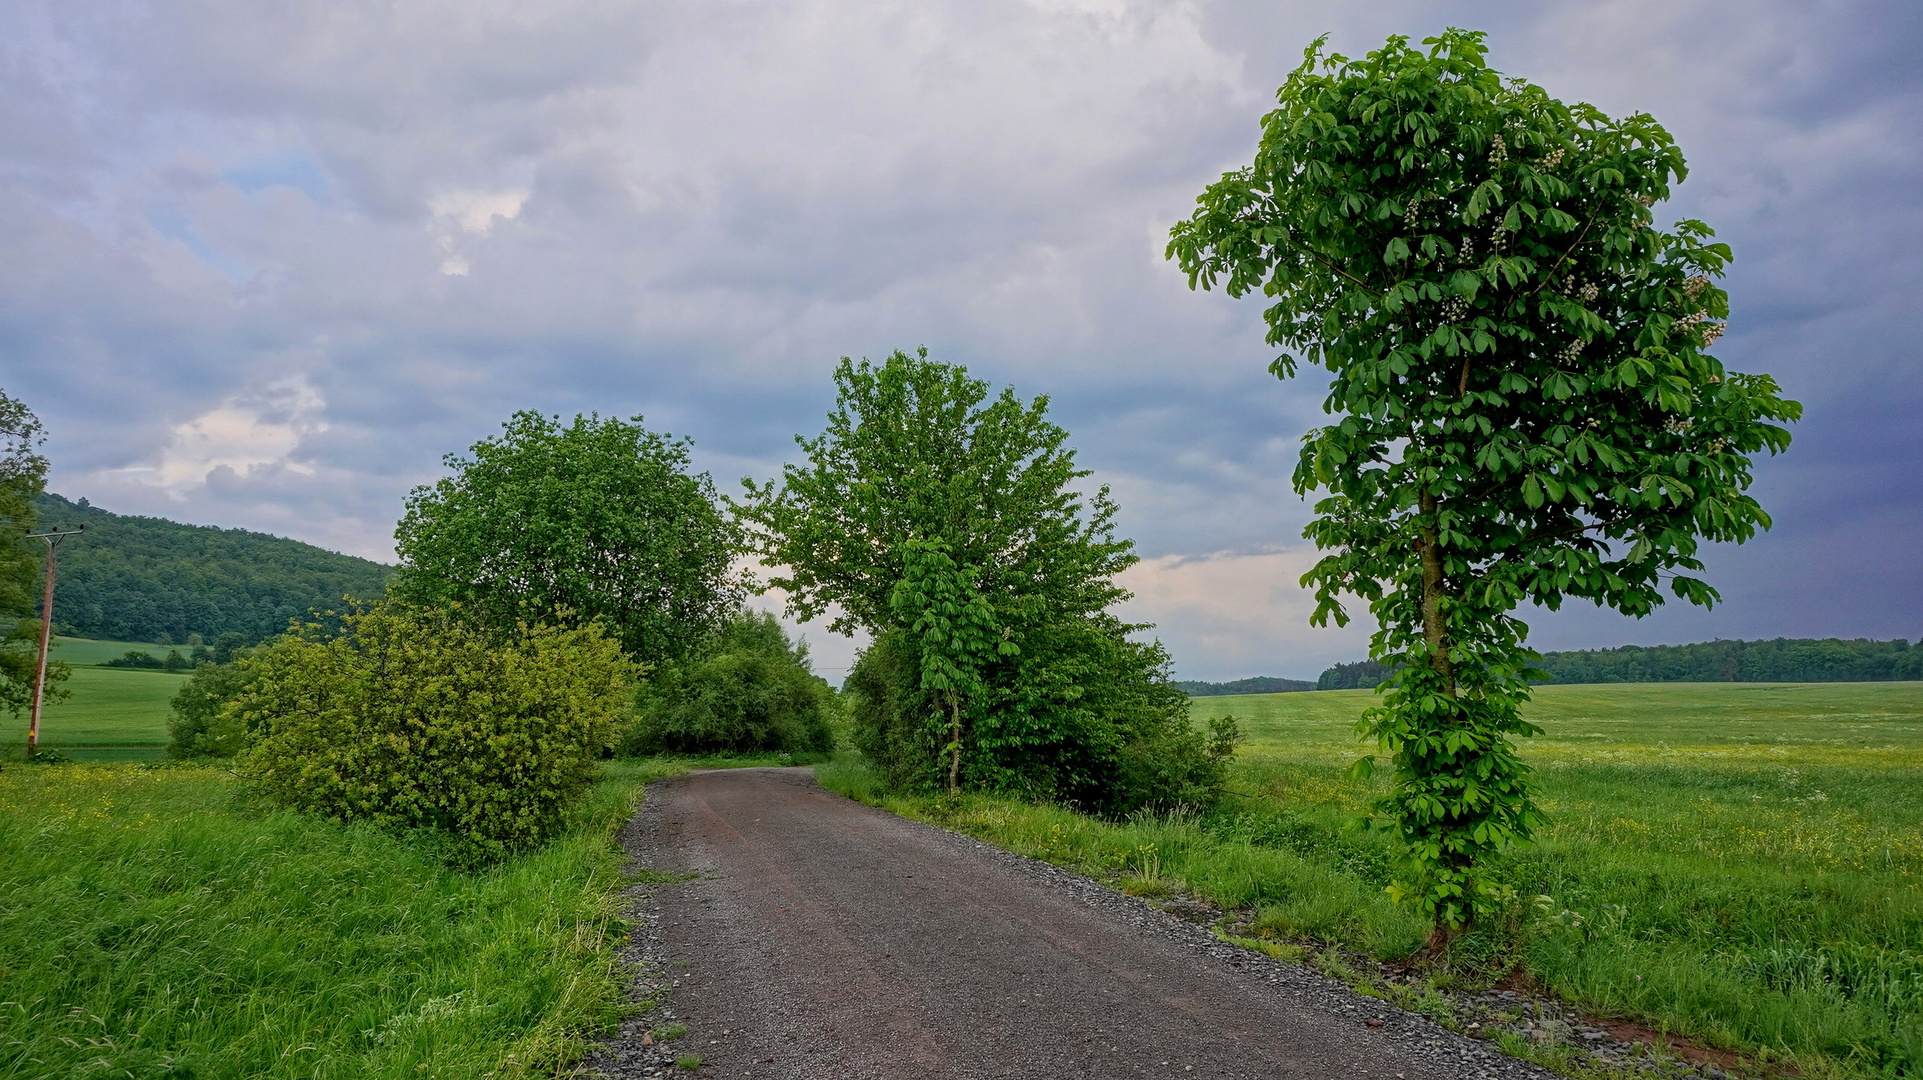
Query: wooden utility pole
x=53, y=539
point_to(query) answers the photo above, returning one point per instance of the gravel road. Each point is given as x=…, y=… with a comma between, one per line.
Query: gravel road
x=822, y=938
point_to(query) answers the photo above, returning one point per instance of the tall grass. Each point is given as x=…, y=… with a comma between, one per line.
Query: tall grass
x=1739, y=864
x=157, y=925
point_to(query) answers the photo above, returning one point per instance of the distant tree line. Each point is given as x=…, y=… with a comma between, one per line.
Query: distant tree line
x=1775, y=660
x=148, y=579
x=1261, y=684
x=1361, y=675
x=224, y=651
x=140, y=659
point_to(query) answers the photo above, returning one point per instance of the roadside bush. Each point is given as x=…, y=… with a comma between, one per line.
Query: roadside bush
x=1081, y=716
x=747, y=689
x=893, y=721
x=413, y=719
x=200, y=725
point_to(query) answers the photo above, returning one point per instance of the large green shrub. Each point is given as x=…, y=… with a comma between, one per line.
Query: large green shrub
x=747, y=689
x=954, y=526
x=411, y=718
x=1082, y=716
x=893, y=719
x=201, y=725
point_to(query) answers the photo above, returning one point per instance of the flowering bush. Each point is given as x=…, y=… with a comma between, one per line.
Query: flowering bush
x=413, y=719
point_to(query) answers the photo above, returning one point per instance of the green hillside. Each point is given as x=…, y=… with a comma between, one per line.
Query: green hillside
x=149, y=579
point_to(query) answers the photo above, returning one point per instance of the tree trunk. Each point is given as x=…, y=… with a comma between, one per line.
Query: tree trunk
x=1433, y=629
x=954, y=744
x=1435, y=632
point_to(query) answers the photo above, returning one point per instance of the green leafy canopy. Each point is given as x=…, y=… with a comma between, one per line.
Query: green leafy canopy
x=23, y=476
x=917, y=450
x=940, y=604
x=938, y=600
x=946, y=522
x=1525, y=405
x=601, y=519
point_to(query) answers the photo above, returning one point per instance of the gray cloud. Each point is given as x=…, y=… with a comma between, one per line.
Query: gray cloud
x=349, y=238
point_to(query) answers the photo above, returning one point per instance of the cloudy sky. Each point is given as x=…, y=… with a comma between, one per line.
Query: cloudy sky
x=261, y=265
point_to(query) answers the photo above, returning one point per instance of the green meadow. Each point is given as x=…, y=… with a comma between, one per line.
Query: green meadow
x=160, y=925
x=1736, y=863
x=78, y=651
x=110, y=714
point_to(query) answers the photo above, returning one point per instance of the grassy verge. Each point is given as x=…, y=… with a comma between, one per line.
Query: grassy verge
x=158, y=925
x=1739, y=864
x=1297, y=896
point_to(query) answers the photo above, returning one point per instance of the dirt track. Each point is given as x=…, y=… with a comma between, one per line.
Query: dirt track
x=824, y=938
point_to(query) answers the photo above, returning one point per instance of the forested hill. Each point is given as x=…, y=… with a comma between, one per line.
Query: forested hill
x=139, y=578
x=1775, y=660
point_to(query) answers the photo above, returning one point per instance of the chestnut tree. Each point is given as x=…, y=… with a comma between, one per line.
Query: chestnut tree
x=1524, y=404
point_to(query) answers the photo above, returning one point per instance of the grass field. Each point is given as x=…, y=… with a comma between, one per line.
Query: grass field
x=1739, y=863
x=78, y=651
x=113, y=714
x=157, y=925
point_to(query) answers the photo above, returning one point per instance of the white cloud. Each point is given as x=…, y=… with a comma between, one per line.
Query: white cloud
x=471, y=212
x=476, y=211
x=246, y=433
x=689, y=210
x=1236, y=614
